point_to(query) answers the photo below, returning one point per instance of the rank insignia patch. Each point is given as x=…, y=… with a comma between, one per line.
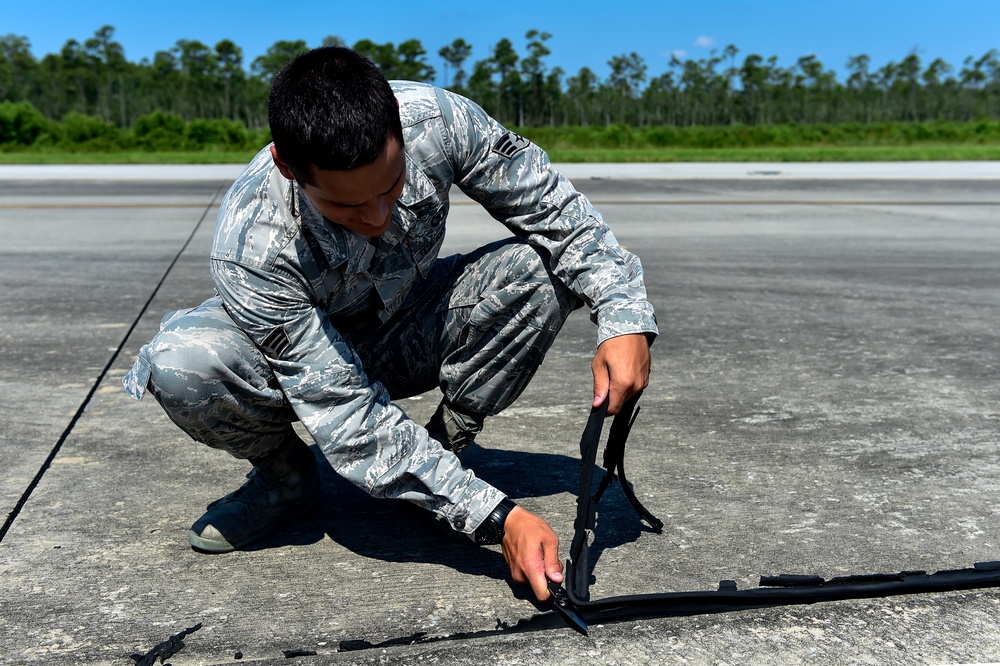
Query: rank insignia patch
x=275, y=343
x=510, y=144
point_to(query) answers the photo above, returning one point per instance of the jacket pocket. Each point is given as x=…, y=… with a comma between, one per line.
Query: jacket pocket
x=136, y=380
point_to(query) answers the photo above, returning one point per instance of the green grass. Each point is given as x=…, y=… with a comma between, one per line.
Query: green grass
x=915, y=152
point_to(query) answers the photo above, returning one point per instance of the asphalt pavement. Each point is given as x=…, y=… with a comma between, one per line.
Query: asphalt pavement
x=824, y=401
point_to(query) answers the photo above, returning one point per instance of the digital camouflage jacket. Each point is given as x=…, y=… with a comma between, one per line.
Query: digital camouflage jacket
x=287, y=277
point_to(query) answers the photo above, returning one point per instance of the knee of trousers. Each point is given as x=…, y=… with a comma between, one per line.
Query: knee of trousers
x=190, y=366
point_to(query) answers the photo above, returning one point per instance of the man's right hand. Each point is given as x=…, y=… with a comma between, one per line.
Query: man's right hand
x=531, y=549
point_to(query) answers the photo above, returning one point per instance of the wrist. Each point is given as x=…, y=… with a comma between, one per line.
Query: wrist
x=491, y=531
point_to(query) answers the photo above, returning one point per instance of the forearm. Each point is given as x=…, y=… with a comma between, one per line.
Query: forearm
x=374, y=445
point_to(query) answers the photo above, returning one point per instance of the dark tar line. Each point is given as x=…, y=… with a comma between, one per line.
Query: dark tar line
x=12, y=516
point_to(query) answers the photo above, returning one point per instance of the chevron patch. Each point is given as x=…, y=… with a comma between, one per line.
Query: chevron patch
x=510, y=144
x=275, y=343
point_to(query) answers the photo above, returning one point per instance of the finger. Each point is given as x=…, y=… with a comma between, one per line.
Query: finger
x=547, y=567
x=540, y=584
x=616, y=398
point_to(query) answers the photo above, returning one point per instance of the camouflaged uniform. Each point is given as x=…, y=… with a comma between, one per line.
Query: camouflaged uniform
x=316, y=323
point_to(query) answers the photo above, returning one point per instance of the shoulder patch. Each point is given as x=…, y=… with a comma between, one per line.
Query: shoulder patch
x=510, y=144
x=275, y=343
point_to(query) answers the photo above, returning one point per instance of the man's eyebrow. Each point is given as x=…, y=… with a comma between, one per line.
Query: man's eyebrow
x=402, y=173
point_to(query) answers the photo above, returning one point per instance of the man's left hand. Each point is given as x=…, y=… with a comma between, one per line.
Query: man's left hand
x=621, y=369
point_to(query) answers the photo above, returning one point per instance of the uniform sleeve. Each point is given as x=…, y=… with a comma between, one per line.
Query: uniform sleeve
x=513, y=179
x=367, y=439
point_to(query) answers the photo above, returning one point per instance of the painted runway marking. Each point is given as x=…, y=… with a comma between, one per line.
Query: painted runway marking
x=103, y=205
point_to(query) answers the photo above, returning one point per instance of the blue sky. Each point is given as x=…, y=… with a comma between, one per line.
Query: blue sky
x=584, y=32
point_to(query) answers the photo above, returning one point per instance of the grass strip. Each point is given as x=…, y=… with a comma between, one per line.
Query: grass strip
x=910, y=153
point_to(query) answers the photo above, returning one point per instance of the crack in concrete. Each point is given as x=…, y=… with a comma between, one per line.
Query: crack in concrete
x=538, y=622
x=12, y=516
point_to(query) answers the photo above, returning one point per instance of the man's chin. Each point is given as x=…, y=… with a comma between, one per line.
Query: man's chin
x=373, y=232
x=365, y=230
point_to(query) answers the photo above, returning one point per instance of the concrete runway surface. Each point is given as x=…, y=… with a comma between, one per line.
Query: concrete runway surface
x=824, y=401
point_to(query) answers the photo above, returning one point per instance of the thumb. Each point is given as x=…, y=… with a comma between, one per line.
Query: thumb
x=553, y=569
x=602, y=381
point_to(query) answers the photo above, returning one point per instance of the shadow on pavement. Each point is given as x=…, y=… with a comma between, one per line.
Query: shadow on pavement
x=397, y=531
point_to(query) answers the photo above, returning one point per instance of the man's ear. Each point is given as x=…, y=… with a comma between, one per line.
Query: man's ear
x=282, y=166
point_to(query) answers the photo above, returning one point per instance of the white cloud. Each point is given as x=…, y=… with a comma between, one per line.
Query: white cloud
x=704, y=42
x=680, y=54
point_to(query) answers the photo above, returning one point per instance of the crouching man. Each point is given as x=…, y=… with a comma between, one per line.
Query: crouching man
x=332, y=302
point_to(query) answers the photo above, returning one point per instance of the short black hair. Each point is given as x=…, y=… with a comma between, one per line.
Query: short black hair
x=331, y=108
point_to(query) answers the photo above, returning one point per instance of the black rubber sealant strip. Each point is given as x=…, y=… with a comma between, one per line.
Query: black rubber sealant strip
x=12, y=516
x=573, y=602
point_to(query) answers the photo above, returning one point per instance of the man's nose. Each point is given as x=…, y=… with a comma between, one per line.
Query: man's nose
x=375, y=212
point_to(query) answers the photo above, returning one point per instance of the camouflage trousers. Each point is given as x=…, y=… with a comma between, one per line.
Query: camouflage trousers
x=478, y=327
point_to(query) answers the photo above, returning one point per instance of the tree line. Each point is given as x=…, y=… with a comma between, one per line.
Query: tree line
x=93, y=83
